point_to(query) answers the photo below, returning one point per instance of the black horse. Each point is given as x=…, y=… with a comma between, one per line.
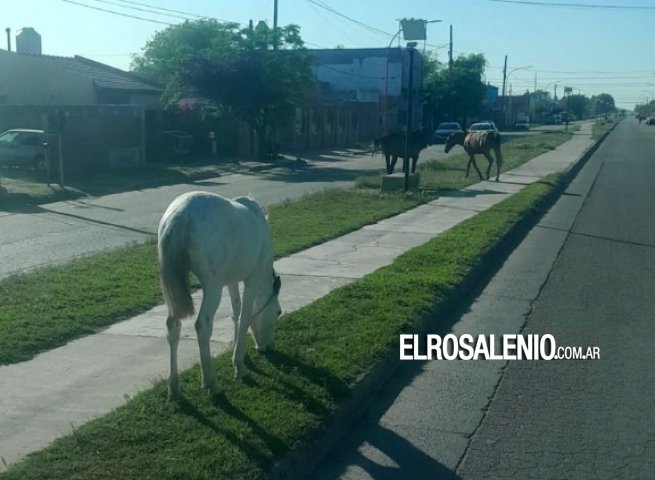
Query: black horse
x=393, y=146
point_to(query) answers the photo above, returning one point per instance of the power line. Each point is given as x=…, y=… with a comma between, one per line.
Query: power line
x=174, y=11
x=113, y=12
x=323, y=5
x=161, y=8
x=576, y=5
x=142, y=9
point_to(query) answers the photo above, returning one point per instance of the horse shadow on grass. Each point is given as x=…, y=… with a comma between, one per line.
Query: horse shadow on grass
x=336, y=389
x=252, y=451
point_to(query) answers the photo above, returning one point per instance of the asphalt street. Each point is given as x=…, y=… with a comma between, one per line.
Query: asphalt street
x=58, y=232
x=586, y=275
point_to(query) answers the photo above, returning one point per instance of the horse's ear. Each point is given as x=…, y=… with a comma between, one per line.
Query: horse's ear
x=277, y=284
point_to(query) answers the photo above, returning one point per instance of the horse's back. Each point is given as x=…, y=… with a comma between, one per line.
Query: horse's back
x=224, y=238
x=478, y=142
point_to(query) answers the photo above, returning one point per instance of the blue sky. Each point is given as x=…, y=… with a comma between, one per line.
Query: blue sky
x=591, y=49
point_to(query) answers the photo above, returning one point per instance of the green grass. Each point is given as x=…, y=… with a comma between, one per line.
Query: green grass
x=601, y=126
x=320, y=351
x=42, y=310
x=449, y=173
x=47, y=308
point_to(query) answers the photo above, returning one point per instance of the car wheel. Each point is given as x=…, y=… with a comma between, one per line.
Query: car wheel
x=40, y=164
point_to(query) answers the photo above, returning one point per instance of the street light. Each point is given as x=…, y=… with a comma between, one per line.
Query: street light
x=409, y=35
x=505, y=78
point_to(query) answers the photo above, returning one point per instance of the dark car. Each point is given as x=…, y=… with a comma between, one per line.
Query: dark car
x=443, y=130
x=650, y=121
x=23, y=148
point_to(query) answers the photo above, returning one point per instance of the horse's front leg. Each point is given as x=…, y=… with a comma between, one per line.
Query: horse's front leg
x=211, y=298
x=387, y=160
x=240, y=341
x=394, y=159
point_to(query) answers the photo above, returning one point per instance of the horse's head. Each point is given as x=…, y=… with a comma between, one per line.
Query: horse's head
x=267, y=308
x=453, y=139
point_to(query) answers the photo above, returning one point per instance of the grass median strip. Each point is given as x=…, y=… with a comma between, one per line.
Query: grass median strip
x=47, y=308
x=320, y=350
x=448, y=173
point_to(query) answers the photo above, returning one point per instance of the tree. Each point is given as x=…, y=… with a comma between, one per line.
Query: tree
x=603, y=104
x=457, y=95
x=255, y=74
x=577, y=105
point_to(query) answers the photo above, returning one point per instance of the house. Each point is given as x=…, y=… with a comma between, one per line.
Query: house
x=94, y=115
x=27, y=79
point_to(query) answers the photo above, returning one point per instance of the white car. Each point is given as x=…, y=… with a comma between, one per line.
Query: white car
x=481, y=126
x=23, y=147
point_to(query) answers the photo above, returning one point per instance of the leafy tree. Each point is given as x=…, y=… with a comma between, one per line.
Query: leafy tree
x=603, y=104
x=457, y=95
x=577, y=105
x=256, y=74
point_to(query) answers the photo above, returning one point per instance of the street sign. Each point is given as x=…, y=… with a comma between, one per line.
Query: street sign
x=413, y=28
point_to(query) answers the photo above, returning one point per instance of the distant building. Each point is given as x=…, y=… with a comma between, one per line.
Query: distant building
x=371, y=75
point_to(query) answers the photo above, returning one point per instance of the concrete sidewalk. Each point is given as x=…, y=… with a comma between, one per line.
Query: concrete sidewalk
x=43, y=398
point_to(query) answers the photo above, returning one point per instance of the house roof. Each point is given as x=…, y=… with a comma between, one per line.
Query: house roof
x=104, y=76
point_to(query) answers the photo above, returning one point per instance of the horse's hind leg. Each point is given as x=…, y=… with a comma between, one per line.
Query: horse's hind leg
x=211, y=298
x=235, y=297
x=490, y=159
x=499, y=163
x=475, y=165
x=174, y=325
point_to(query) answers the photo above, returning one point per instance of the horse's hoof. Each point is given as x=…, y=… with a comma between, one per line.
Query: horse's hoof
x=213, y=392
x=241, y=372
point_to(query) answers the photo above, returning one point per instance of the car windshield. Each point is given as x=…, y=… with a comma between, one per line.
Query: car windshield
x=448, y=126
x=8, y=137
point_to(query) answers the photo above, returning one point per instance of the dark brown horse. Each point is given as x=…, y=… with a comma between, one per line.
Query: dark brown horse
x=393, y=146
x=478, y=143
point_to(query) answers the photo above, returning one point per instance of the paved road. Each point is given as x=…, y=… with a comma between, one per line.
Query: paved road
x=586, y=275
x=58, y=232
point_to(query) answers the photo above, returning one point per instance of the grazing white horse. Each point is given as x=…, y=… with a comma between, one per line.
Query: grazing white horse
x=223, y=242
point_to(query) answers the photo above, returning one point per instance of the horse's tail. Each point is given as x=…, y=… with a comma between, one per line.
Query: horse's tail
x=375, y=146
x=496, y=146
x=174, y=268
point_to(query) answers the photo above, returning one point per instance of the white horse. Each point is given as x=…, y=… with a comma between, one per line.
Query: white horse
x=223, y=242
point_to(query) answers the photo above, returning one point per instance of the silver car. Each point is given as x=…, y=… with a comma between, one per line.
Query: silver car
x=23, y=147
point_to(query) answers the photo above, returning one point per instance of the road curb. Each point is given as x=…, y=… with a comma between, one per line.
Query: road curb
x=303, y=460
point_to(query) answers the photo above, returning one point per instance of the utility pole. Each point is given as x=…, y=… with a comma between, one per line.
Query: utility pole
x=410, y=112
x=8, y=30
x=535, y=81
x=450, y=55
x=504, y=78
x=275, y=25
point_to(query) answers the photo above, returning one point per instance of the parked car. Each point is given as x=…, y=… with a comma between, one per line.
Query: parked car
x=23, y=147
x=523, y=126
x=481, y=126
x=650, y=121
x=443, y=130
